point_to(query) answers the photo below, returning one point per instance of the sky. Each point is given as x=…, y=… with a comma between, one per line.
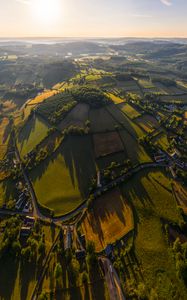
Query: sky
x=93, y=18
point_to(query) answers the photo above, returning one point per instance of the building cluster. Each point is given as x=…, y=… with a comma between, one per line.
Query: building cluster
x=23, y=202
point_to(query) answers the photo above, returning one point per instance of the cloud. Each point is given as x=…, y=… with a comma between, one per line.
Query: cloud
x=166, y=2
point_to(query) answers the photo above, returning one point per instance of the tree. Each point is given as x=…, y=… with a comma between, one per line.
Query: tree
x=91, y=256
x=41, y=248
x=43, y=296
x=84, y=278
x=141, y=291
x=177, y=246
x=26, y=253
x=58, y=271
x=16, y=248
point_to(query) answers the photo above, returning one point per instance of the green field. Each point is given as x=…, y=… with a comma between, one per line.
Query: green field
x=134, y=150
x=76, y=117
x=62, y=181
x=152, y=199
x=125, y=122
x=5, y=130
x=130, y=111
x=92, y=77
x=101, y=120
x=146, y=84
x=33, y=132
x=147, y=122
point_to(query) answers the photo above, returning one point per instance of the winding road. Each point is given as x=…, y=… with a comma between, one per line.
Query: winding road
x=112, y=280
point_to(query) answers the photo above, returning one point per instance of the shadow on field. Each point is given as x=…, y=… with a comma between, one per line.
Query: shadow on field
x=107, y=207
x=25, y=132
x=27, y=274
x=135, y=189
x=8, y=187
x=79, y=160
x=7, y=132
x=123, y=120
x=97, y=284
x=8, y=275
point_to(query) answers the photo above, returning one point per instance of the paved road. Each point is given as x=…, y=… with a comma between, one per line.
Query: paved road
x=126, y=176
x=112, y=280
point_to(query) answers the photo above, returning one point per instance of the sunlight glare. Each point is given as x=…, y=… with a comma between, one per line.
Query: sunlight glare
x=46, y=10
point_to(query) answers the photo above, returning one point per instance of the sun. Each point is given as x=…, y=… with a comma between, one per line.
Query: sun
x=46, y=10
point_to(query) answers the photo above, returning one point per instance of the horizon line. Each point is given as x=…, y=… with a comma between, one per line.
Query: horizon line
x=93, y=37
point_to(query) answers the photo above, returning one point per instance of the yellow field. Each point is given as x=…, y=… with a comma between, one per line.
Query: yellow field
x=130, y=111
x=115, y=99
x=185, y=117
x=110, y=220
x=43, y=96
x=147, y=122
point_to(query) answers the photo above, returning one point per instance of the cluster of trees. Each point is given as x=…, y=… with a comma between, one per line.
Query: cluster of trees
x=41, y=152
x=36, y=157
x=10, y=241
x=91, y=257
x=175, y=124
x=91, y=95
x=51, y=107
x=180, y=253
x=147, y=143
x=10, y=244
x=35, y=247
x=110, y=172
x=59, y=114
x=76, y=130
